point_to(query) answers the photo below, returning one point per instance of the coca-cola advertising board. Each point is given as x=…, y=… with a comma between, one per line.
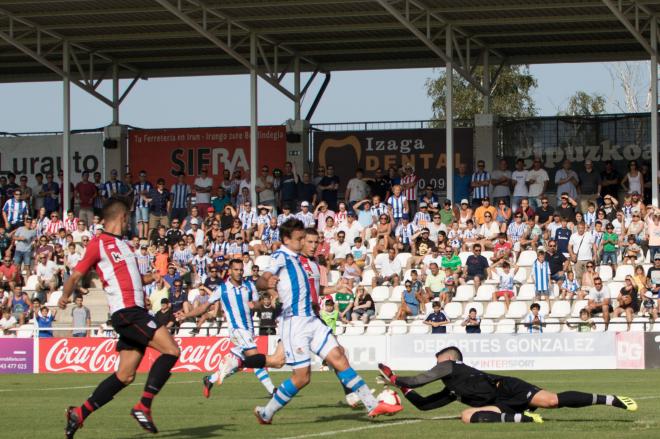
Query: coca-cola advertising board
x=16, y=355
x=90, y=355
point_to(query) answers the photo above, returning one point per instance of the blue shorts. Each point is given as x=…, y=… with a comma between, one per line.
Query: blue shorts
x=609, y=258
x=414, y=309
x=142, y=214
x=23, y=257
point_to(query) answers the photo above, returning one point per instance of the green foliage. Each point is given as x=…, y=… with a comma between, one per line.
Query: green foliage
x=584, y=104
x=511, y=96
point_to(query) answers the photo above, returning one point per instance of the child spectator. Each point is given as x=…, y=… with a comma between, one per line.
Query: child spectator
x=648, y=307
x=7, y=322
x=330, y=314
x=449, y=290
x=505, y=286
x=570, y=287
x=541, y=277
x=437, y=320
x=586, y=324
x=45, y=320
x=535, y=320
x=472, y=322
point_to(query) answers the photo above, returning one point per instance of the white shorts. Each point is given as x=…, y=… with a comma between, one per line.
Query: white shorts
x=302, y=336
x=243, y=340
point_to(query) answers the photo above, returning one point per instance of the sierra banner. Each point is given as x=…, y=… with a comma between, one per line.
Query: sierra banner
x=70, y=355
x=424, y=148
x=166, y=152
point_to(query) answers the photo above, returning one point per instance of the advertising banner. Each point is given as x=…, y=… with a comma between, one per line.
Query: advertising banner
x=62, y=355
x=510, y=351
x=166, y=152
x=630, y=350
x=425, y=149
x=652, y=350
x=29, y=155
x=16, y=355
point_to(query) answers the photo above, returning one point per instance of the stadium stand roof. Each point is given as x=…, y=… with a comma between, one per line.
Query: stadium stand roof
x=143, y=36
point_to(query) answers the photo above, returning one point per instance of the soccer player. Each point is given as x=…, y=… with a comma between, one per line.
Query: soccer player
x=493, y=398
x=115, y=261
x=238, y=297
x=303, y=332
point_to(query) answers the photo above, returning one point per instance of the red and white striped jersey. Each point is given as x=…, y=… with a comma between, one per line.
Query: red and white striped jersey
x=311, y=267
x=116, y=264
x=54, y=227
x=410, y=194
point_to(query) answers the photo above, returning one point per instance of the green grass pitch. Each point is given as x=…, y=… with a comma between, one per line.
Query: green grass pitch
x=34, y=408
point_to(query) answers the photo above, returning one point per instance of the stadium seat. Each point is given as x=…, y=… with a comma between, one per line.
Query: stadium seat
x=545, y=309
x=31, y=283
x=517, y=310
x=418, y=327
x=505, y=326
x=397, y=292
x=487, y=326
x=456, y=328
x=605, y=272
x=380, y=294
x=624, y=270
x=488, y=254
x=387, y=311
x=552, y=326
x=367, y=276
x=255, y=242
x=521, y=275
x=476, y=305
x=333, y=277
x=494, y=279
x=577, y=306
x=263, y=261
x=376, y=327
x=398, y=327
x=340, y=328
x=600, y=324
x=641, y=324
x=560, y=309
x=54, y=298
x=192, y=295
x=572, y=321
x=453, y=310
x=526, y=292
x=372, y=242
x=485, y=293
x=403, y=258
x=494, y=310
x=25, y=331
x=406, y=274
x=354, y=328
x=186, y=329
x=526, y=258
x=614, y=287
x=380, y=259
x=464, y=293
x=464, y=256
x=618, y=324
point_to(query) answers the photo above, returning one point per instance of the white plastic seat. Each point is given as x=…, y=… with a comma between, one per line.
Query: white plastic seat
x=403, y=258
x=186, y=329
x=464, y=293
x=640, y=323
x=521, y=275
x=380, y=293
x=367, y=276
x=560, y=309
x=476, y=305
x=255, y=242
x=526, y=258
x=340, y=328
x=263, y=261
x=526, y=292
x=622, y=271
x=54, y=298
x=605, y=272
x=487, y=326
x=418, y=327
x=464, y=256
x=192, y=295
x=552, y=326
x=456, y=328
x=25, y=331
x=31, y=282
x=453, y=310
x=505, y=326
x=600, y=324
x=577, y=306
x=516, y=310
x=494, y=310
x=485, y=293
x=381, y=258
x=376, y=327
x=387, y=311
x=488, y=254
x=354, y=328
x=397, y=292
x=398, y=327
x=614, y=288
x=494, y=279
x=333, y=277
x=618, y=324
x=545, y=309
x=406, y=274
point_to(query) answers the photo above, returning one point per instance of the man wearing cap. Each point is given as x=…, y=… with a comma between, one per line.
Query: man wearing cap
x=196, y=232
x=203, y=186
x=589, y=187
x=159, y=206
x=305, y=215
x=423, y=217
x=480, y=183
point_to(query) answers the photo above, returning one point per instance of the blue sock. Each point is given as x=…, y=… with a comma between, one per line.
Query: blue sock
x=281, y=397
x=264, y=377
x=349, y=378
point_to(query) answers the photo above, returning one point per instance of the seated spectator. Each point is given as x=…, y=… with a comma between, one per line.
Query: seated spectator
x=10, y=275
x=45, y=318
x=470, y=236
x=505, y=287
x=628, y=301
x=557, y=261
x=47, y=280
x=437, y=320
x=389, y=271
x=330, y=314
x=532, y=238
x=488, y=231
x=599, y=301
x=268, y=313
x=585, y=324
x=472, y=322
x=350, y=270
x=421, y=246
x=449, y=291
x=210, y=315
x=345, y=299
x=410, y=302
x=570, y=288
x=534, y=321
x=179, y=297
x=305, y=215
x=339, y=249
x=359, y=252
x=364, y=308
x=649, y=307
x=476, y=268
x=382, y=231
x=503, y=250
x=455, y=235
x=404, y=233
x=653, y=276
x=159, y=290
x=164, y=316
x=352, y=228
x=7, y=322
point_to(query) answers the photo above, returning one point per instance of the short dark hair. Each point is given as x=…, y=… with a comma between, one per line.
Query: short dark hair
x=311, y=231
x=115, y=206
x=289, y=226
x=454, y=353
x=235, y=261
x=535, y=305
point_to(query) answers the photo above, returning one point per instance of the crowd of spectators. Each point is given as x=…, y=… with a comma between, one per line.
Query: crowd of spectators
x=377, y=230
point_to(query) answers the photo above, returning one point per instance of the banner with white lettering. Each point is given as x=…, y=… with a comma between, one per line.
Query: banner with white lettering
x=29, y=155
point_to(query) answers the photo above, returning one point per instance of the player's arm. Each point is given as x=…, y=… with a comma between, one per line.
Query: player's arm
x=438, y=372
x=195, y=312
x=434, y=401
x=92, y=256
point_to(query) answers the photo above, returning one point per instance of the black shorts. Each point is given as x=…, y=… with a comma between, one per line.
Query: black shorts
x=514, y=395
x=599, y=309
x=135, y=326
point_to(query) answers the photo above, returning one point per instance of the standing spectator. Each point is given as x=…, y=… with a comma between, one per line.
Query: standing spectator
x=582, y=249
x=81, y=318
x=27, y=193
x=37, y=193
x=409, y=186
x=610, y=181
x=357, y=188
x=289, y=186
x=180, y=194
x=389, y=270
x=381, y=185
x=85, y=192
x=472, y=322
x=100, y=196
x=329, y=186
x=203, y=186
x=535, y=320
x=590, y=186
x=541, y=277
x=159, y=206
x=45, y=318
x=501, y=181
x=14, y=211
x=307, y=190
x=141, y=189
x=24, y=238
x=220, y=201
x=480, y=182
x=437, y=320
x=461, y=184
x=537, y=179
x=397, y=204
x=519, y=182
x=566, y=180
x=50, y=192
x=633, y=181
x=269, y=312
x=264, y=188
x=113, y=186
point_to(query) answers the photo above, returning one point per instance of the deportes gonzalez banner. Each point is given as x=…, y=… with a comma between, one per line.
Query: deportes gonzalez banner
x=61, y=355
x=424, y=149
x=166, y=152
x=16, y=355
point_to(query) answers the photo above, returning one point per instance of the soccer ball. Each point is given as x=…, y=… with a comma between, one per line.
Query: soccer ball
x=389, y=396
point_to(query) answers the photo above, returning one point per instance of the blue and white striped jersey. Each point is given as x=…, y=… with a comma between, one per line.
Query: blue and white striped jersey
x=281, y=218
x=306, y=218
x=248, y=218
x=405, y=232
x=397, y=205
x=541, y=271
x=201, y=264
x=263, y=219
x=15, y=210
x=111, y=188
x=102, y=194
x=516, y=231
x=236, y=303
x=180, y=193
x=293, y=286
x=271, y=235
x=139, y=188
x=218, y=247
x=378, y=209
x=480, y=191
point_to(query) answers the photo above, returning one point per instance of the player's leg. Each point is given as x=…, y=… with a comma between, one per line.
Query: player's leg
x=493, y=414
x=257, y=362
x=573, y=399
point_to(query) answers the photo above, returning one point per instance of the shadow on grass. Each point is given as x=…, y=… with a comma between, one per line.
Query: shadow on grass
x=202, y=431
x=600, y=422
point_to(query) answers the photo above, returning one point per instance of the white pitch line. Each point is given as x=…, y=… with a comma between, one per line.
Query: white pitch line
x=22, y=389
x=371, y=427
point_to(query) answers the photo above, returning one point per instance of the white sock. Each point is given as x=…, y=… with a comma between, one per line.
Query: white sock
x=264, y=377
x=367, y=398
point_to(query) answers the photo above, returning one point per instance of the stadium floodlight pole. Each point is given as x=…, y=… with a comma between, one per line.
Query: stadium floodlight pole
x=254, y=150
x=487, y=81
x=66, y=125
x=115, y=94
x=654, y=111
x=449, y=116
x=296, y=88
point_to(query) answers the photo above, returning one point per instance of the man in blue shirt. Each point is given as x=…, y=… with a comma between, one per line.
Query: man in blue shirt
x=437, y=320
x=461, y=184
x=562, y=236
x=159, y=206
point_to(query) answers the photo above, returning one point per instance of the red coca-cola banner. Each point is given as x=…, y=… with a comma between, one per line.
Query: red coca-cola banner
x=67, y=355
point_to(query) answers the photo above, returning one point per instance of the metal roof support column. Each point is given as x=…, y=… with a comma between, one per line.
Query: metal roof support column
x=253, y=119
x=486, y=109
x=66, y=126
x=654, y=112
x=115, y=94
x=296, y=88
x=449, y=116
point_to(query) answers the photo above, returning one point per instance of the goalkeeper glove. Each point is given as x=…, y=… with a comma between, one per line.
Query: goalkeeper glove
x=387, y=373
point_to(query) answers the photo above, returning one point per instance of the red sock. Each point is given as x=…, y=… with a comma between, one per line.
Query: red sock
x=146, y=400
